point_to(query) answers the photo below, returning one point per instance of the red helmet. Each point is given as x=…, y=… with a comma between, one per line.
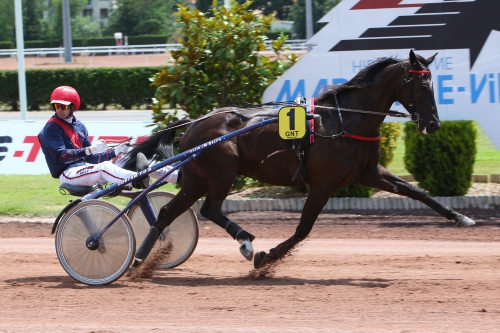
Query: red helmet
x=65, y=95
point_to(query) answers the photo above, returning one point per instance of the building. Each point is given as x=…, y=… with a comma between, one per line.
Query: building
x=100, y=10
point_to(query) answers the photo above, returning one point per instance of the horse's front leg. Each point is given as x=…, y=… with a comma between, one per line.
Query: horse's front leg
x=386, y=181
x=315, y=201
x=211, y=209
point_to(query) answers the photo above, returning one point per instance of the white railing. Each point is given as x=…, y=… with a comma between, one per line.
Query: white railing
x=293, y=45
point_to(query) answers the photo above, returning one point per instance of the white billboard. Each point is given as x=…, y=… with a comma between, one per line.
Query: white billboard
x=466, y=35
x=20, y=151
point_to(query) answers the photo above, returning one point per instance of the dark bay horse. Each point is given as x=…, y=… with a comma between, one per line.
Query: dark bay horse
x=345, y=150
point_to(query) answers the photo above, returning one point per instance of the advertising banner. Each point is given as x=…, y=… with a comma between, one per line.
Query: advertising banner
x=20, y=151
x=465, y=34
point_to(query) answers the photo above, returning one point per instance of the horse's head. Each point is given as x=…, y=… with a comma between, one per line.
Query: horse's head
x=417, y=93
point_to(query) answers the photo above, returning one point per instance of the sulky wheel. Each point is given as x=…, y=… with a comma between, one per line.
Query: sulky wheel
x=181, y=235
x=87, y=259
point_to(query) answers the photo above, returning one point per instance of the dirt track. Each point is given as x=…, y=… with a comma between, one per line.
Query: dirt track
x=403, y=272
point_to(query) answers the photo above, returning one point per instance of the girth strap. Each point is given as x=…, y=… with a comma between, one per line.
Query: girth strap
x=345, y=134
x=297, y=148
x=361, y=138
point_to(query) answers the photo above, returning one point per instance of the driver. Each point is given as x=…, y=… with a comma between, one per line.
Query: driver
x=73, y=159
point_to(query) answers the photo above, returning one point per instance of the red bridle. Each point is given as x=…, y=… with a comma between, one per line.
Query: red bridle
x=419, y=71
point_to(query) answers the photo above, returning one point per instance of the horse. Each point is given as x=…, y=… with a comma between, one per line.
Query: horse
x=346, y=132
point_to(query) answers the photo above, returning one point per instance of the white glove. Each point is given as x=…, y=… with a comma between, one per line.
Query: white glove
x=99, y=147
x=122, y=148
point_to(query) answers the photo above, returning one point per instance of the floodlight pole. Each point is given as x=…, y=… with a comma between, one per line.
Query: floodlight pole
x=66, y=31
x=309, y=22
x=21, y=72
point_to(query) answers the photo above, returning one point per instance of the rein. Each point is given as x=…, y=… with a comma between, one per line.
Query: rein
x=391, y=113
x=228, y=111
x=299, y=101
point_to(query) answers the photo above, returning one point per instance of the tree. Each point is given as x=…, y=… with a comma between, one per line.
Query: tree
x=205, y=5
x=142, y=17
x=279, y=8
x=7, y=24
x=219, y=62
x=83, y=27
x=298, y=15
x=32, y=16
x=51, y=24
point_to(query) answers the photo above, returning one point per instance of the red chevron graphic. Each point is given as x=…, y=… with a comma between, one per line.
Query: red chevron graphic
x=374, y=4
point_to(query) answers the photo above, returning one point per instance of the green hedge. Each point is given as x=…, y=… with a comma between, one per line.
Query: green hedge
x=443, y=162
x=128, y=87
x=7, y=45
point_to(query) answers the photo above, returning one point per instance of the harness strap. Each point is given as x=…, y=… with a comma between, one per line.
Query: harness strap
x=340, y=113
x=345, y=134
x=311, y=122
x=419, y=71
x=361, y=138
x=69, y=130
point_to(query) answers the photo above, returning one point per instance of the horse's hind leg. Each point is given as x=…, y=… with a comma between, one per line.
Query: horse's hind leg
x=168, y=213
x=386, y=181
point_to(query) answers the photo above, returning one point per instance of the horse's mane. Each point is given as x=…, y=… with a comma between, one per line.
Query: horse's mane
x=363, y=78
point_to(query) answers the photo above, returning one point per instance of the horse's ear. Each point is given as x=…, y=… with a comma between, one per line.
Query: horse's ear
x=431, y=59
x=413, y=59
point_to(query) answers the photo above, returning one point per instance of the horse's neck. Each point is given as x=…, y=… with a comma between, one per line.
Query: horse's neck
x=377, y=98
x=384, y=90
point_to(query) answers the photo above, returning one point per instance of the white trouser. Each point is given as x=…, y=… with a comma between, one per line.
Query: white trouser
x=104, y=172
x=171, y=178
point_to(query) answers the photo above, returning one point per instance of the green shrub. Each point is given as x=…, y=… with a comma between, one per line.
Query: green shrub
x=36, y=44
x=5, y=44
x=390, y=135
x=443, y=162
x=354, y=191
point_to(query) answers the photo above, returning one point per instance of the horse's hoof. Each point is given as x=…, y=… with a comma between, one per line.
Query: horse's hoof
x=463, y=221
x=257, y=260
x=137, y=262
x=246, y=250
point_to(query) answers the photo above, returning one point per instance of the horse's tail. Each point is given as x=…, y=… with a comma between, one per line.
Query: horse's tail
x=158, y=146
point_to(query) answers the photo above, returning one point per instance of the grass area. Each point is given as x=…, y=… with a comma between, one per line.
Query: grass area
x=30, y=195
x=38, y=195
x=487, y=156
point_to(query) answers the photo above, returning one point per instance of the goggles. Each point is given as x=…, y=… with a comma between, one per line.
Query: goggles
x=61, y=106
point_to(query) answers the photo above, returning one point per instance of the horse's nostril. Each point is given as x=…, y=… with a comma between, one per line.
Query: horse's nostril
x=434, y=125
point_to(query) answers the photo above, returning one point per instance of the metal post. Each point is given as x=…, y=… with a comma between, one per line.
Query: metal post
x=21, y=73
x=309, y=22
x=66, y=31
